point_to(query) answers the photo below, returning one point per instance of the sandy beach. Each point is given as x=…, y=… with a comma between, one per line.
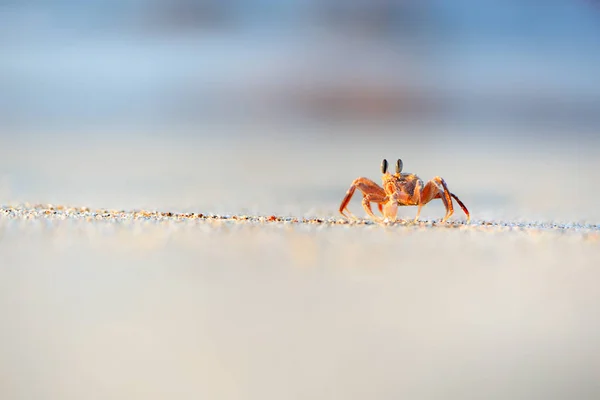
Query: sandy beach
x=172, y=267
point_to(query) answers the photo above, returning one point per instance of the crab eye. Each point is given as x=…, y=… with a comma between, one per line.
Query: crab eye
x=399, y=166
x=384, y=165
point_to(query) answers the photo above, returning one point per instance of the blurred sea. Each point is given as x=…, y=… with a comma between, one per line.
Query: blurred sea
x=106, y=64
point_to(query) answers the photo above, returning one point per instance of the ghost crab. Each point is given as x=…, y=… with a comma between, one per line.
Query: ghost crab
x=400, y=189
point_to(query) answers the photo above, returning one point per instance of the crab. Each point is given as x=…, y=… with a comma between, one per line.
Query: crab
x=400, y=189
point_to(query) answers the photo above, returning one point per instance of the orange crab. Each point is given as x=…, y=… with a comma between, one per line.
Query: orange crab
x=400, y=189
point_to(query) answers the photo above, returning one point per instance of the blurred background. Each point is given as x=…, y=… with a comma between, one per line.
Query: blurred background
x=151, y=103
x=69, y=64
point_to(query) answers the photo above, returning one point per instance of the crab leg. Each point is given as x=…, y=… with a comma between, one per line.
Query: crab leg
x=418, y=198
x=437, y=189
x=371, y=192
x=434, y=189
x=426, y=194
x=367, y=205
x=445, y=195
x=464, y=208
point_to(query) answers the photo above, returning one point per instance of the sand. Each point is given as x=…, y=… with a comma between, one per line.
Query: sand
x=241, y=281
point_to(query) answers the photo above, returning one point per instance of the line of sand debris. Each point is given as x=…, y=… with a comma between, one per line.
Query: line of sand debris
x=58, y=212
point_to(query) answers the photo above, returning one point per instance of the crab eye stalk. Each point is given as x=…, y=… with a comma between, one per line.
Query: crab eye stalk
x=399, y=166
x=384, y=166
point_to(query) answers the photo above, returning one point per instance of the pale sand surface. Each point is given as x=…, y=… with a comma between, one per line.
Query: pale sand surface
x=98, y=303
